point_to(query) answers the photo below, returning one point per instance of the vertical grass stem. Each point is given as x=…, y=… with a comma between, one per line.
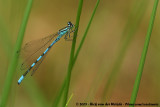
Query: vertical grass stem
x=143, y=56
x=14, y=59
x=72, y=53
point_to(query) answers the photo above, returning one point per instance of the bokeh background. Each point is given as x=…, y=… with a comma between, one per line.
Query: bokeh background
x=107, y=64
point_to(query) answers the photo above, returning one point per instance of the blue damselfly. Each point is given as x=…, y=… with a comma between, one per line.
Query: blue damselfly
x=32, y=62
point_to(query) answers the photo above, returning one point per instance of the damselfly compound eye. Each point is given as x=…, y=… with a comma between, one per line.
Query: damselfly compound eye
x=70, y=24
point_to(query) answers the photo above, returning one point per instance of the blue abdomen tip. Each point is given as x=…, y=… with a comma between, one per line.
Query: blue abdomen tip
x=20, y=79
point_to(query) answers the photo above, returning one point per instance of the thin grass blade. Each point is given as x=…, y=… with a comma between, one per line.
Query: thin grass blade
x=72, y=53
x=14, y=59
x=143, y=56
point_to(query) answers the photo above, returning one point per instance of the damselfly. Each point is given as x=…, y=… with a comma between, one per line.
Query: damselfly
x=30, y=63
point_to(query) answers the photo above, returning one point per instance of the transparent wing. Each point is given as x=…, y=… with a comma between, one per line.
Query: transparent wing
x=32, y=50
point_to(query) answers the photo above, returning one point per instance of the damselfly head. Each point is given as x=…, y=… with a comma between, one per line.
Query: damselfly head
x=70, y=24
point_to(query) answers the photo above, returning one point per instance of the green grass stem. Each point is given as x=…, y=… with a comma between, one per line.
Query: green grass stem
x=31, y=87
x=72, y=53
x=83, y=38
x=143, y=56
x=74, y=59
x=14, y=59
x=85, y=34
x=134, y=25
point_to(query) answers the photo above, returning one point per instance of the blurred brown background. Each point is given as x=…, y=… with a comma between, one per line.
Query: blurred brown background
x=96, y=60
